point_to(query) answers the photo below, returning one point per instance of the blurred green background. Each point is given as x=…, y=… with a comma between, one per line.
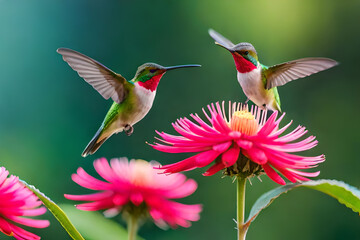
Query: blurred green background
x=49, y=114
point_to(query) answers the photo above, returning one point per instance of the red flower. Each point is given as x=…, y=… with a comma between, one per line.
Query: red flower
x=17, y=201
x=232, y=143
x=136, y=187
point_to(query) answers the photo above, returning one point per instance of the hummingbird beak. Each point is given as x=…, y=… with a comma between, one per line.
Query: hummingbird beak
x=230, y=50
x=182, y=66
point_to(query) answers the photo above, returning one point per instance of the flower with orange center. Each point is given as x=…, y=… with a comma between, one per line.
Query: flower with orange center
x=137, y=190
x=244, y=144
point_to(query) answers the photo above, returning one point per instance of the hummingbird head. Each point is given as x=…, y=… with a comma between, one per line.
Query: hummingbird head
x=244, y=55
x=148, y=75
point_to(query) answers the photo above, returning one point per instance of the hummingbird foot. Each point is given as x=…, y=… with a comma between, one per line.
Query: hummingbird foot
x=128, y=129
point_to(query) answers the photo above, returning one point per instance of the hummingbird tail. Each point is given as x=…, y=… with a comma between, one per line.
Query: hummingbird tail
x=94, y=144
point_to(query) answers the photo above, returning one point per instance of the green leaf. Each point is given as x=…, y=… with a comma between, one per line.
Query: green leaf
x=94, y=226
x=58, y=213
x=344, y=193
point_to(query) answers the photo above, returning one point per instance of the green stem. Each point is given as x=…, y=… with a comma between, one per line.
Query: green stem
x=242, y=228
x=132, y=227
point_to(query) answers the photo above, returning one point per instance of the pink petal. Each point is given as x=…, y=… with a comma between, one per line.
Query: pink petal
x=292, y=176
x=280, y=131
x=22, y=234
x=95, y=206
x=184, y=190
x=87, y=181
x=230, y=157
x=307, y=174
x=269, y=125
x=256, y=155
x=235, y=135
x=221, y=125
x=172, y=149
x=36, y=223
x=3, y=175
x=199, y=130
x=244, y=144
x=198, y=138
x=298, y=132
x=5, y=227
x=174, y=139
x=34, y=212
x=205, y=158
x=214, y=169
x=136, y=198
x=203, y=124
x=222, y=147
x=273, y=175
x=287, y=174
x=103, y=168
x=89, y=197
x=183, y=165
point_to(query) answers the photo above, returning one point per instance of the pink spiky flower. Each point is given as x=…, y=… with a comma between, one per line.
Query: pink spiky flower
x=244, y=144
x=135, y=188
x=17, y=201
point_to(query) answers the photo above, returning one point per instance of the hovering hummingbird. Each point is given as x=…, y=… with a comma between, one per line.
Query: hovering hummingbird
x=258, y=81
x=132, y=99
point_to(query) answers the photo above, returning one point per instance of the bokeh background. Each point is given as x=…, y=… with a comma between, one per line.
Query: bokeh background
x=48, y=113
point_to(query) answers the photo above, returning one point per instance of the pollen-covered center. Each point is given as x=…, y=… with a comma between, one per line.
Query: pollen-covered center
x=244, y=122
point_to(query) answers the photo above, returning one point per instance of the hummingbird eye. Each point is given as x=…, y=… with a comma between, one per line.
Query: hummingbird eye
x=153, y=70
x=246, y=52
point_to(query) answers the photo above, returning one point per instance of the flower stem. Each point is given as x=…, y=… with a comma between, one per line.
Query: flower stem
x=132, y=227
x=242, y=228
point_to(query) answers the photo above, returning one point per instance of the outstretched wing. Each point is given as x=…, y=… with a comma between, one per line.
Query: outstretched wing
x=280, y=74
x=221, y=39
x=108, y=83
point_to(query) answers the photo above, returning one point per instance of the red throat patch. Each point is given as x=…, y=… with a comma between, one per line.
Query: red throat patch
x=242, y=65
x=152, y=83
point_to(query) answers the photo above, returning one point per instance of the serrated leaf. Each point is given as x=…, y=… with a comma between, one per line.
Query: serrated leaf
x=344, y=193
x=94, y=226
x=58, y=213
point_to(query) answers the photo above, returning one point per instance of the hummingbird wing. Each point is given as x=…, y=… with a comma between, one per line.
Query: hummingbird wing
x=221, y=39
x=280, y=74
x=108, y=83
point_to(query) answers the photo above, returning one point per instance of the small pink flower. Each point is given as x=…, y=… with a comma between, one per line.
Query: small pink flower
x=136, y=187
x=229, y=144
x=17, y=201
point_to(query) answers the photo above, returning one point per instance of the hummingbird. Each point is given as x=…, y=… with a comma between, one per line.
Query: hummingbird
x=132, y=99
x=260, y=82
